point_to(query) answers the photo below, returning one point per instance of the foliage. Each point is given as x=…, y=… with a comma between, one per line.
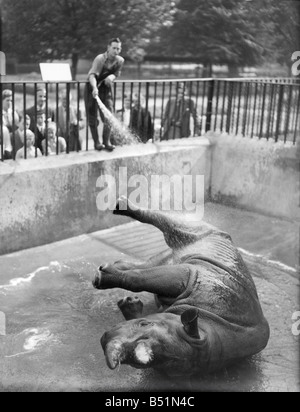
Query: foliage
x=58, y=29
x=233, y=32
x=280, y=31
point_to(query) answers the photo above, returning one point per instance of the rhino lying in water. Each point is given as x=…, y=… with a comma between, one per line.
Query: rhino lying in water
x=209, y=315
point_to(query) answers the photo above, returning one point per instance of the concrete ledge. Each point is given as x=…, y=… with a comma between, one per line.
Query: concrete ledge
x=257, y=175
x=50, y=199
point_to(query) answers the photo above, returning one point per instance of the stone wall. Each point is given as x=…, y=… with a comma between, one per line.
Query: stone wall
x=257, y=175
x=50, y=199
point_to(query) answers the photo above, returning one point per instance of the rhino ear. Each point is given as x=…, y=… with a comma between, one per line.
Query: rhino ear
x=189, y=320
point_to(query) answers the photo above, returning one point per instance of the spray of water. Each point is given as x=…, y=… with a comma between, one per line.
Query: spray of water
x=120, y=134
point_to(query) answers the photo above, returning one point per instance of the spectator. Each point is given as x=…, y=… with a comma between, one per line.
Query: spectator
x=69, y=130
x=6, y=141
x=105, y=69
x=40, y=130
x=136, y=117
x=56, y=145
x=41, y=97
x=124, y=114
x=178, y=115
x=31, y=151
x=18, y=138
x=141, y=121
x=10, y=121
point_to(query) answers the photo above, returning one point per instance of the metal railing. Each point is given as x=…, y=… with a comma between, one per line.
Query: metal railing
x=257, y=109
x=248, y=107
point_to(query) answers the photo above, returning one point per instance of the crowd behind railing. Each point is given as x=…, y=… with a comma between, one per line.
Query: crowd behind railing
x=42, y=119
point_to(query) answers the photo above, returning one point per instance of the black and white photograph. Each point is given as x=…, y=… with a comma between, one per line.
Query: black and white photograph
x=149, y=198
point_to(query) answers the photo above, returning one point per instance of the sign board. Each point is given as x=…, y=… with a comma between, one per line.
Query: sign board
x=2, y=64
x=56, y=72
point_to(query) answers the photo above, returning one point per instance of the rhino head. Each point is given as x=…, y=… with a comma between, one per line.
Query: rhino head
x=162, y=341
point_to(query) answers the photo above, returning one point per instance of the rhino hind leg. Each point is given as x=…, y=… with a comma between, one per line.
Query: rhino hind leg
x=177, y=234
x=132, y=308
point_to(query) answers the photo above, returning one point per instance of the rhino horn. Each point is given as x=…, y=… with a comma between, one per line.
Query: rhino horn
x=114, y=354
x=189, y=320
x=114, y=351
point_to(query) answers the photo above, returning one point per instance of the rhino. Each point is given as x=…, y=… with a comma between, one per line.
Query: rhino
x=209, y=315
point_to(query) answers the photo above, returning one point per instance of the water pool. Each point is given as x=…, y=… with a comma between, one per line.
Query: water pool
x=54, y=318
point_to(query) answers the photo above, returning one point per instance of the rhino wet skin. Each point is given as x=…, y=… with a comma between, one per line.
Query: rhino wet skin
x=209, y=314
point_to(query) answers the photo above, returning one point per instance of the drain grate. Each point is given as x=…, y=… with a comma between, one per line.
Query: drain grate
x=135, y=239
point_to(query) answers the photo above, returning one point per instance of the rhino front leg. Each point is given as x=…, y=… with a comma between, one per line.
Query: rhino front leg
x=166, y=281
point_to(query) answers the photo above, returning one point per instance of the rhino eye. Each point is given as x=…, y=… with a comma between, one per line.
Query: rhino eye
x=144, y=324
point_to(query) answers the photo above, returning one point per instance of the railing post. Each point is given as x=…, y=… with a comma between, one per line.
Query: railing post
x=261, y=132
x=229, y=108
x=68, y=90
x=279, y=110
x=209, y=112
x=297, y=121
x=288, y=114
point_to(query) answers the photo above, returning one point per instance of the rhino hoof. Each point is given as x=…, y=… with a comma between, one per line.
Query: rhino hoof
x=132, y=308
x=97, y=279
x=121, y=206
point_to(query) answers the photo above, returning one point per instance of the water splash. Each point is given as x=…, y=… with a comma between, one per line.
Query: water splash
x=32, y=339
x=120, y=134
x=269, y=261
x=37, y=338
x=54, y=266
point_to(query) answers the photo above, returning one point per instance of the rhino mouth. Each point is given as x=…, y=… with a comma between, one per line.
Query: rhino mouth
x=138, y=354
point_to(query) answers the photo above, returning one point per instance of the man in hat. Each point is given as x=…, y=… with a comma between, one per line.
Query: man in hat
x=40, y=107
x=179, y=114
x=69, y=122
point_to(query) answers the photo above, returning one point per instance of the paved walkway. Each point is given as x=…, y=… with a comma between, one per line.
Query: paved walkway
x=54, y=318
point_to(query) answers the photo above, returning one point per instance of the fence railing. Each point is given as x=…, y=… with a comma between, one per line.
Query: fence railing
x=154, y=110
x=277, y=80
x=265, y=110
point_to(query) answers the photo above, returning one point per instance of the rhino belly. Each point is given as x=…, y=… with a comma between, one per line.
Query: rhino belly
x=215, y=290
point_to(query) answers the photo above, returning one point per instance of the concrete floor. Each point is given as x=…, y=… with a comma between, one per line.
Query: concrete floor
x=54, y=318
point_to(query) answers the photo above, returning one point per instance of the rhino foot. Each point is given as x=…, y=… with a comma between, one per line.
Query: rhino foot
x=124, y=206
x=132, y=308
x=97, y=280
x=104, y=276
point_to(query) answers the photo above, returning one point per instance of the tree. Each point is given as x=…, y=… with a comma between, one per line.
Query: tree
x=217, y=32
x=280, y=32
x=39, y=29
x=232, y=32
x=59, y=29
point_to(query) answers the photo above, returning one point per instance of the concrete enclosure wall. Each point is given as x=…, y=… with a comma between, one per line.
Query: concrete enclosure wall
x=257, y=175
x=50, y=199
